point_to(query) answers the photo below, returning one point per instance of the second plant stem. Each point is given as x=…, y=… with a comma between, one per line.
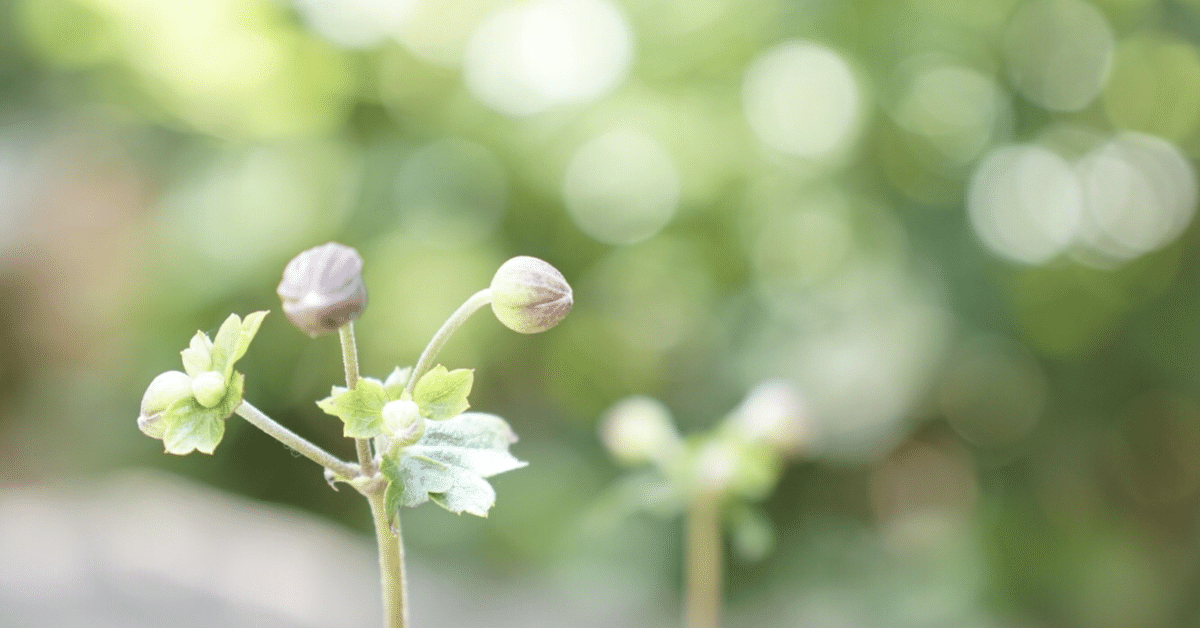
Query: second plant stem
x=702, y=594
x=350, y=363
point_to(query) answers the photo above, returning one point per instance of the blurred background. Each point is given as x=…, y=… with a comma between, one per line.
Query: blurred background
x=963, y=228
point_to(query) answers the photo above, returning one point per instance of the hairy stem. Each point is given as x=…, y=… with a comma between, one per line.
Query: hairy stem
x=464, y=311
x=350, y=363
x=702, y=596
x=307, y=449
x=391, y=563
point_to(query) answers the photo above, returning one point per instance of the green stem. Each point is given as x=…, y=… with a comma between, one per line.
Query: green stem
x=391, y=563
x=282, y=434
x=350, y=363
x=702, y=597
x=464, y=311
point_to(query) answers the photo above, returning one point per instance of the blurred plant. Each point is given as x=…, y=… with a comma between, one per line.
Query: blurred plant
x=713, y=479
x=414, y=438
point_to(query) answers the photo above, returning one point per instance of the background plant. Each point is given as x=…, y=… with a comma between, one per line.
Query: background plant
x=713, y=479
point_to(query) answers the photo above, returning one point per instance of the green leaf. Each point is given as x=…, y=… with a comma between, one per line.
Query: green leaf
x=192, y=427
x=233, y=339
x=361, y=409
x=448, y=465
x=394, y=384
x=442, y=394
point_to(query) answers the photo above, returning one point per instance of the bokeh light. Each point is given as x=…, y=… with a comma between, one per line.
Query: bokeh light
x=1058, y=52
x=802, y=98
x=621, y=187
x=1025, y=203
x=548, y=53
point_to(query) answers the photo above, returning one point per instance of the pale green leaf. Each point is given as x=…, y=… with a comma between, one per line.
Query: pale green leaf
x=233, y=340
x=442, y=394
x=448, y=465
x=192, y=427
x=361, y=409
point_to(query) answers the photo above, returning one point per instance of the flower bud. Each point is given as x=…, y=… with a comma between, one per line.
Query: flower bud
x=322, y=288
x=639, y=430
x=402, y=422
x=209, y=388
x=529, y=295
x=163, y=391
x=776, y=415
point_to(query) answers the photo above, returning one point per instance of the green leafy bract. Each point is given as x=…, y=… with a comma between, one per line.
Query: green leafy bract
x=189, y=426
x=192, y=427
x=442, y=394
x=450, y=463
x=360, y=409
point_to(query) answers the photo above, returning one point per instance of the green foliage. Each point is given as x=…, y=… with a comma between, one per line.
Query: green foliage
x=442, y=394
x=448, y=466
x=360, y=409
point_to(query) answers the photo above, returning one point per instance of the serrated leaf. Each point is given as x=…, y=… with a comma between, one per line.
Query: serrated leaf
x=233, y=340
x=442, y=394
x=192, y=427
x=448, y=465
x=361, y=409
x=396, y=381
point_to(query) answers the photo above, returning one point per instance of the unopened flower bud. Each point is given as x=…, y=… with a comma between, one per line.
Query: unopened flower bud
x=775, y=414
x=322, y=288
x=209, y=388
x=163, y=391
x=529, y=295
x=402, y=422
x=639, y=430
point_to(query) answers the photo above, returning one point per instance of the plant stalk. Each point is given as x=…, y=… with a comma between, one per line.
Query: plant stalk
x=391, y=563
x=702, y=596
x=258, y=419
x=464, y=311
x=350, y=363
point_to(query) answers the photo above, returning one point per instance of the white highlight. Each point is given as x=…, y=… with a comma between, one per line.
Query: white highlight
x=621, y=188
x=1025, y=203
x=548, y=53
x=801, y=98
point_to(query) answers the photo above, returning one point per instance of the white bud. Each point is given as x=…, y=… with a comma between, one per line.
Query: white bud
x=775, y=414
x=209, y=388
x=638, y=430
x=402, y=422
x=163, y=391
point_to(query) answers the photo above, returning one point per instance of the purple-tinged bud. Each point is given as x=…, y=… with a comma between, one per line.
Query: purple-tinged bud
x=163, y=391
x=322, y=288
x=529, y=295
